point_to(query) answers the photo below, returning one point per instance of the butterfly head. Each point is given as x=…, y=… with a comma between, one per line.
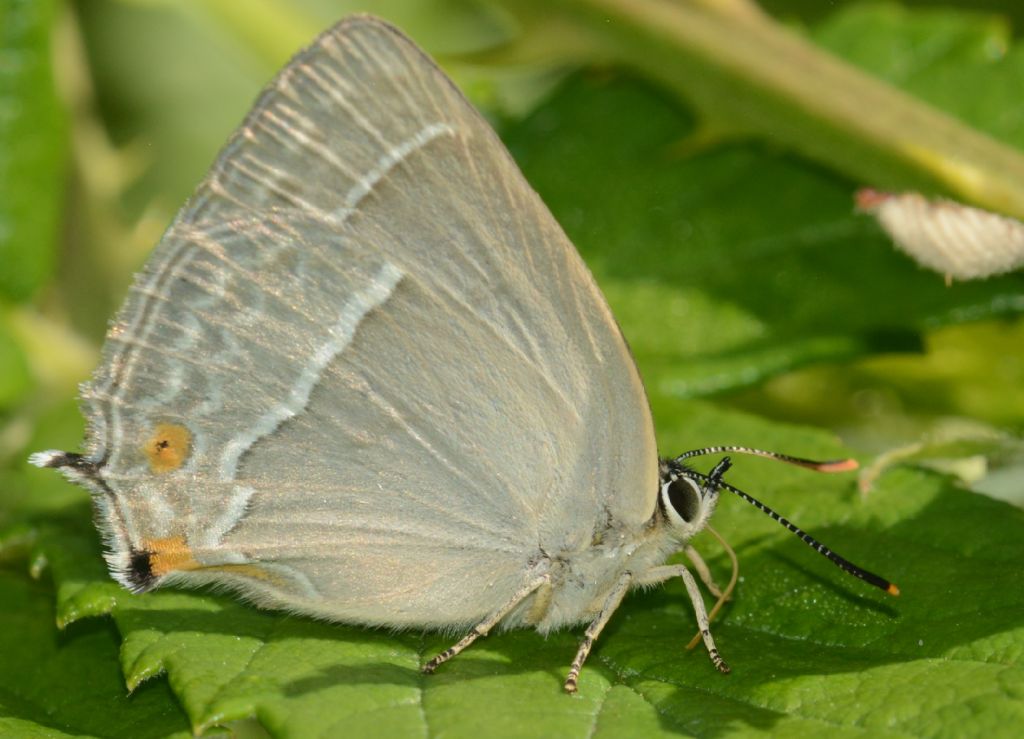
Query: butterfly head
x=687, y=498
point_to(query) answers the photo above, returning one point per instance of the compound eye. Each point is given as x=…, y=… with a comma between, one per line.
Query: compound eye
x=682, y=496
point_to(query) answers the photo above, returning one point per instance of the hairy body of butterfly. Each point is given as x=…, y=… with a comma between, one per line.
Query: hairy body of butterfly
x=365, y=376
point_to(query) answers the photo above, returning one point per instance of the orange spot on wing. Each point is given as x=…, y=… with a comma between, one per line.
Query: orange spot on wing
x=173, y=554
x=170, y=555
x=168, y=447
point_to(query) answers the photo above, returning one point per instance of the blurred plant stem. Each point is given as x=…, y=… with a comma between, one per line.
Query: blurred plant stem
x=748, y=75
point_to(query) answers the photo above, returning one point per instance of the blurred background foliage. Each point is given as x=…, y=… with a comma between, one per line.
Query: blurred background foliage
x=714, y=207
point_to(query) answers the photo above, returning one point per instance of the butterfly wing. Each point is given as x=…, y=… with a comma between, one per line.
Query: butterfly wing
x=364, y=374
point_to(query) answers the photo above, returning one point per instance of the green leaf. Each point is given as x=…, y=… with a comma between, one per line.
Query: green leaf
x=70, y=684
x=32, y=147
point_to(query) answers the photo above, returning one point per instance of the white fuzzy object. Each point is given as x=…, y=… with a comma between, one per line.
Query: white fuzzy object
x=956, y=240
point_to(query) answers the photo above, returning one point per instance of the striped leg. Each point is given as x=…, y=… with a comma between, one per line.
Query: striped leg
x=611, y=603
x=660, y=574
x=702, y=570
x=487, y=624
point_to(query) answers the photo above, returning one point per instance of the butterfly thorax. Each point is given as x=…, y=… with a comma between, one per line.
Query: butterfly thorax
x=581, y=580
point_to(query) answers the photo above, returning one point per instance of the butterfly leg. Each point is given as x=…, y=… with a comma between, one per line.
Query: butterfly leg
x=611, y=604
x=487, y=624
x=702, y=570
x=660, y=574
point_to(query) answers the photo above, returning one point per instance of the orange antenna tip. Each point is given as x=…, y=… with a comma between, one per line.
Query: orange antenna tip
x=839, y=465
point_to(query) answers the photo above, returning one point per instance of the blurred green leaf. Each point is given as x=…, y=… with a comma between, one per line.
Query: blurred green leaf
x=957, y=447
x=33, y=149
x=730, y=265
x=15, y=378
x=962, y=63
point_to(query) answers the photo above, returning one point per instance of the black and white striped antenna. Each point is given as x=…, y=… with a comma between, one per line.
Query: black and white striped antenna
x=837, y=465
